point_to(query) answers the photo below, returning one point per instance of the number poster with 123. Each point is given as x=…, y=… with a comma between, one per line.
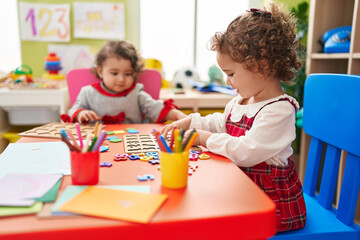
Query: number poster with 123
x=45, y=22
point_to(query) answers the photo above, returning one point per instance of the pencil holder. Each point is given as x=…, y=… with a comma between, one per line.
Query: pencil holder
x=174, y=169
x=85, y=168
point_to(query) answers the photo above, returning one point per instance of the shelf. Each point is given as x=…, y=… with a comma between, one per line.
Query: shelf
x=356, y=56
x=330, y=56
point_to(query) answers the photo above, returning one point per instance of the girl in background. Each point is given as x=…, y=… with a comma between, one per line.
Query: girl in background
x=118, y=98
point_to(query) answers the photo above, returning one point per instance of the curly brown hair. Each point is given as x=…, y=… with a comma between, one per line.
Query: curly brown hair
x=120, y=49
x=263, y=41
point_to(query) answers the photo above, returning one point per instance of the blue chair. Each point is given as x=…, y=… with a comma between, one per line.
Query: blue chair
x=332, y=119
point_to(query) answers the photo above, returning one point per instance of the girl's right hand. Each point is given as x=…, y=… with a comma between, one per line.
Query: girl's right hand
x=179, y=124
x=86, y=116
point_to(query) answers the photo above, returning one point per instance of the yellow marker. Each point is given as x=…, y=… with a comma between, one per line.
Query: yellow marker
x=191, y=142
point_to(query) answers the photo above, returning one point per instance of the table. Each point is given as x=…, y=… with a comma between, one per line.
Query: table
x=220, y=202
x=195, y=99
x=28, y=98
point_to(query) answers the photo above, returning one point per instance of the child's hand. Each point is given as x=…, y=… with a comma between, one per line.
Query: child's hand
x=201, y=138
x=182, y=123
x=86, y=116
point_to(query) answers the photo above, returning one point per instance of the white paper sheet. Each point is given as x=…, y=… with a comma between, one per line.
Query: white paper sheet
x=40, y=157
x=18, y=189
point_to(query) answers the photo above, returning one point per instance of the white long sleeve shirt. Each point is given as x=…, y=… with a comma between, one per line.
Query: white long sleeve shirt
x=269, y=138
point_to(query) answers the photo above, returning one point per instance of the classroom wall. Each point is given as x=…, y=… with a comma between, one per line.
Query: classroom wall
x=33, y=53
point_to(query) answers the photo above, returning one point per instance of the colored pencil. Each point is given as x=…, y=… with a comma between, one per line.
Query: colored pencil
x=161, y=146
x=63, y=133
x=86, y=145
x=182, y=131
x=72, y=138
x=188, y=139
x=179, y=147
x=96, y=128
x=65, y=140
x=92, y=144
x=99, y=141
x=176, y=136
x=167, y=148
x=191, y=142
x=79, y=134
x=172, y=139
x=98, y=133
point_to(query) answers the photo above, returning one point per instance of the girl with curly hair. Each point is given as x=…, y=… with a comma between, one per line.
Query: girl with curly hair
x=118, y=98
x=257, y=52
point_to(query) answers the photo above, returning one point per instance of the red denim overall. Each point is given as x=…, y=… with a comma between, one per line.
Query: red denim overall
x=281, y=184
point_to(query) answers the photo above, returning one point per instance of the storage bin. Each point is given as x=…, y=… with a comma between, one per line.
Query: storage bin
x=32, y=115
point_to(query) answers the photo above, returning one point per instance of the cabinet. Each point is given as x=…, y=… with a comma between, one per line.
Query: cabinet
x=323, y=16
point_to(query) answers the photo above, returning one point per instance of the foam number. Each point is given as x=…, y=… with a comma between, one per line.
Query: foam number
x=45, y=22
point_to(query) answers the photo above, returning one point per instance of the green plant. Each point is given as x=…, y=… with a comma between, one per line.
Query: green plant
x=295, y=88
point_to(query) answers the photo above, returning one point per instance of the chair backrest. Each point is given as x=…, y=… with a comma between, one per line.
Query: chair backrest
x=78, y=78
x=332, y=116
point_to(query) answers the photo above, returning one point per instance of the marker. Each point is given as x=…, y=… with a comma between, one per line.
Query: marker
x=99, y=141
x=79, y=134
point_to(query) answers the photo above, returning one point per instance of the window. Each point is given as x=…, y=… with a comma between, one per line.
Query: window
x=10, y=41
x=178, y=32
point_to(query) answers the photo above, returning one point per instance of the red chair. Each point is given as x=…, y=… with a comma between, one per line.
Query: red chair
x=78, y=78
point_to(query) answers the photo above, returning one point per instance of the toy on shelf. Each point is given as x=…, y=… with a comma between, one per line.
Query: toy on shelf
x=53, y=65
x=22, y=74
x=336, y=40
x=216, y=76
x=184, y=77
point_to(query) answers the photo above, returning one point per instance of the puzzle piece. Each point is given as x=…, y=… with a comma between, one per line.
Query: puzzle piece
x=193, y=157
x=145, y=177
x=153, y=161
x=204, y=156
x=105, y=164
x=104, y=148
x=121, y=157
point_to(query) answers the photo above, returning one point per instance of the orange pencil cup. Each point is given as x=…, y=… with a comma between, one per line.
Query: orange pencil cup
x=85, y=168
x=174, y=169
